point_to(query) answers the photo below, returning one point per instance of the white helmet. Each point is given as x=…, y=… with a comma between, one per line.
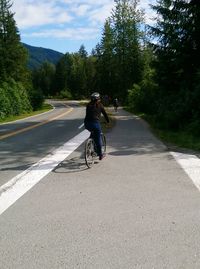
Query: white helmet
x=95, y=96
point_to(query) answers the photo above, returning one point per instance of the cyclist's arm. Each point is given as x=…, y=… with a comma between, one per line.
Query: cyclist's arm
x=105, y=114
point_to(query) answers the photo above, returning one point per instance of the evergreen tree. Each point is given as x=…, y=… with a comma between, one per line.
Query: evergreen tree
x=194, y=31
x=106, y=65
x=43, y=78
x=14, y=75
x=62, y=74
x=120, y=53
x=77, y=76
x=126, y=19
x=13, y=56
x=82, y=52
x=166, y=46
x=91, y=75
x=177, y=60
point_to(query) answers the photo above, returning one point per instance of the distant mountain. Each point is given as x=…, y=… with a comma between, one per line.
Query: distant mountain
x=38, y=55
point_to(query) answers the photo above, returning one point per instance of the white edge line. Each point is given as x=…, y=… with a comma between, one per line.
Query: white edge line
x=190, y=164
x=19, y=185
x=81, y=126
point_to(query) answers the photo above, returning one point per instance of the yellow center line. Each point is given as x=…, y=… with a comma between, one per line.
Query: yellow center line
x=33, y=126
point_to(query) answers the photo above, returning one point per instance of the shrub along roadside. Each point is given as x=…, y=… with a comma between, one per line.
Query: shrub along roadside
x=14, y=99
x=45, y=107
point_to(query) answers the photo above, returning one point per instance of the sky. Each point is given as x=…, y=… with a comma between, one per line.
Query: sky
x=64, y=25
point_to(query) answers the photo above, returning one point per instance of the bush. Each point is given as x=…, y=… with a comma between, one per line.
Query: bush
x=5, y=104
x=13, y=99
x=65, y=94
x=36, y=99
x=142, y=98
x=135, y=98
x=194, y=128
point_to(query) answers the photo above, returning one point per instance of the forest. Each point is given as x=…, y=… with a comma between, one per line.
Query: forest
x=153, y=70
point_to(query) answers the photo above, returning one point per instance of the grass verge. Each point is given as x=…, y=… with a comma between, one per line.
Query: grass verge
x=45, y=108
x=180, y=139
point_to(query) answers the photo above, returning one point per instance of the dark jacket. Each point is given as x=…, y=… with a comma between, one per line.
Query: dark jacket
x=115, y=102
x=93, y=112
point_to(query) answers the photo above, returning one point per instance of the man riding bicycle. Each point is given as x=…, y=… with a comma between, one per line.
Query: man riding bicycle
x=92, y=120
x=115, y=104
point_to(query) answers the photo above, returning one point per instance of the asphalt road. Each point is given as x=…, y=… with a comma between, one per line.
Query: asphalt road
x=136, y=208
x=45, y=133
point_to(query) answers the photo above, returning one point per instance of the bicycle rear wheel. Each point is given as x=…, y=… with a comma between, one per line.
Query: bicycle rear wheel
x=89, y=152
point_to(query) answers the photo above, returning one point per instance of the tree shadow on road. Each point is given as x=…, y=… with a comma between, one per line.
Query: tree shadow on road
x=122, y=152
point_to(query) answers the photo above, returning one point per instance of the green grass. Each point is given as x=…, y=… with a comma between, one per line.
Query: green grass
x=181, y=139
x=45, y=107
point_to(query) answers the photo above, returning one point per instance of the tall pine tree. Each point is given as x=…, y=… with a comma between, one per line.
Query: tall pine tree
x=126, y=19
x=14, y=75
x=177, y=55
x=120, y=51
x=13, y=56
x=106, y=64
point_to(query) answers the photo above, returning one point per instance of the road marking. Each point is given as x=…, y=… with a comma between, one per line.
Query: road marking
x=81, y=126
x=33, y=126
x=190, y=164
x=19, y=185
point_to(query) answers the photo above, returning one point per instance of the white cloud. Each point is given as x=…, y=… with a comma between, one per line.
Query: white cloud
x=71, y=34
x=71, y=19
x=99, y=15
x=80, y=10
x=37, y=13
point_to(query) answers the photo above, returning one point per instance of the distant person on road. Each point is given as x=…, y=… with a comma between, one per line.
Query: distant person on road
x=115, y=104
x=92, y=120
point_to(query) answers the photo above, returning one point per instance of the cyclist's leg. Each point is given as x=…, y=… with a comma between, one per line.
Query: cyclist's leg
x=89, y=127
x=95, y=133
x=97, y=138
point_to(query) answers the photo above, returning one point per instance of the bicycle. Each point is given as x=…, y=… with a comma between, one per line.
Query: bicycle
x=90, y=149
x=115, y=104
x=115, y=108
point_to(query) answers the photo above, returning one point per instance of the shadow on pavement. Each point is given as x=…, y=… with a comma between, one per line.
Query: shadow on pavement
x=132, y=135
x=21, y=151
x=75, y=164
x=122, y=152
x=129, y=136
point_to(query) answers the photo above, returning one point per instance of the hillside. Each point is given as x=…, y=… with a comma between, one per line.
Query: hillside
x=40, y=55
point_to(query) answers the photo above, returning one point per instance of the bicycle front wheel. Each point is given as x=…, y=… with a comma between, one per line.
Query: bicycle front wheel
x=89, y=152
x=103, y=141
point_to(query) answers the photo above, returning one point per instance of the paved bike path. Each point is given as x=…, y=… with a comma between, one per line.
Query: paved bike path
x=135, y=209
x=158, y=200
